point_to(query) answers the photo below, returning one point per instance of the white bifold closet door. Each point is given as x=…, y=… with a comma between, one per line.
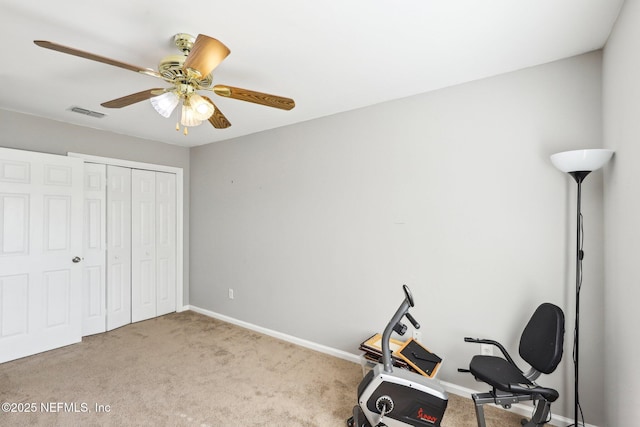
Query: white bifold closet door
x=118, y=246
x=94, y=293
x=129, y=246
x=166, y=226
x=153, y=244
x=143, y=244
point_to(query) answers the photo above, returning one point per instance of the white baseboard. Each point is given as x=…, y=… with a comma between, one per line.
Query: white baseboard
x=285, y=337
x=518, y=408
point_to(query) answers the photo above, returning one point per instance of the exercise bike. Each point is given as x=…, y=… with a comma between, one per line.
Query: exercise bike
x=395, y=398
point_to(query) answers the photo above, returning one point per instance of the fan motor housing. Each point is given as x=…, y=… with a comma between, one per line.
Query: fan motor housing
x=170, y=68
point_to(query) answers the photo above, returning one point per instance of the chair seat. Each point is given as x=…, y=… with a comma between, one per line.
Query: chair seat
x=496, y=372
x=541, y=347
x=504, y=376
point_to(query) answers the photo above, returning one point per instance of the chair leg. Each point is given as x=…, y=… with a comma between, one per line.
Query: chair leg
x=480, y=415
x=479, y=399
x=540, y=416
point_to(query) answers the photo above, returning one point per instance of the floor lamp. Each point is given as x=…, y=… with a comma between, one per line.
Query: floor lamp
x=578, y=164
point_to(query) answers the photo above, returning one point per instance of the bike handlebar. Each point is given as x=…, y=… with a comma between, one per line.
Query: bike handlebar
x=413, y=321
x=402, y=311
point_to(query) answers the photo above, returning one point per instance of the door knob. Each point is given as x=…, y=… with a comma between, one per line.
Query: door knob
x=76, y=259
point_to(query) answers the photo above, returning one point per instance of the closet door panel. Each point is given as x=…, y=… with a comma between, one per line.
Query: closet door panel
x=118, y=246
x=94, y=294
x=165, y=242
x=143, y=245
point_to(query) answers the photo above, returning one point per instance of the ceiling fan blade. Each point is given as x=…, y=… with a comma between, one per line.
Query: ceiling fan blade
x=255, y=97
x=133, y=98
x=217, y=119
x=94, y=57
x=206, y=54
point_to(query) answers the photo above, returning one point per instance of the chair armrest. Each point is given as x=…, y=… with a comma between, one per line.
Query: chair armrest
x=548, y=394
x=503, y=350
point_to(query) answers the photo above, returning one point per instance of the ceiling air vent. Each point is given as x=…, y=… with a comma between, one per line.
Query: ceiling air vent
x=86, y=112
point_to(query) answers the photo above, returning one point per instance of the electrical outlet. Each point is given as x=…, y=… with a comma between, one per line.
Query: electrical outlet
x=230, y=293
x=486, y=349
x=417, y=335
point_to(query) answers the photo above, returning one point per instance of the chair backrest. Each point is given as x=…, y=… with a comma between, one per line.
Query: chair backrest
x=542, y=340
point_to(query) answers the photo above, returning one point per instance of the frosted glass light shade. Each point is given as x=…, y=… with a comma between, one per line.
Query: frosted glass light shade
x=202, y=108
x=581, y=160
x=189, y=118
x=165, y=104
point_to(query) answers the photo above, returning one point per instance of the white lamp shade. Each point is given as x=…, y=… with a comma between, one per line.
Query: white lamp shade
x=165, y=103
x=581, y=160
x=202, y=108
x=189, y=118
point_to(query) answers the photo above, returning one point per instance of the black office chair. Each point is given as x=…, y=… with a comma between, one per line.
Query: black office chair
x=541, y=346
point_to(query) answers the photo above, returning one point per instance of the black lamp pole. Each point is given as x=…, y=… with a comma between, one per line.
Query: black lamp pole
x=579, y=176
x=578, y=164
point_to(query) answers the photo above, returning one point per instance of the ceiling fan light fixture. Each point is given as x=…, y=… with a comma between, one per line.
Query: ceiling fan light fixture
x=165, y=104
x=189, y=118
x=187, y=73
x=202, y=108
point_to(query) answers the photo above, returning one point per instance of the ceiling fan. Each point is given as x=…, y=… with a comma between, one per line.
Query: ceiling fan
x=188, y=73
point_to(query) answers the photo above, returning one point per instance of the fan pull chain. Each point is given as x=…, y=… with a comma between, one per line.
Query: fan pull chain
x=186, y=130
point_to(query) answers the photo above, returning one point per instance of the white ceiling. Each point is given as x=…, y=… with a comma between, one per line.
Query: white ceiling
x=329, y=56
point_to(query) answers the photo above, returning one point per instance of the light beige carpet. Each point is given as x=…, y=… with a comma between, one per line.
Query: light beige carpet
x=186, y=369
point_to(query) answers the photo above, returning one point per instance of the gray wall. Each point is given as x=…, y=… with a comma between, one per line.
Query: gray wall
x=32, y=133
x=621, y=87
x=316, y=226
